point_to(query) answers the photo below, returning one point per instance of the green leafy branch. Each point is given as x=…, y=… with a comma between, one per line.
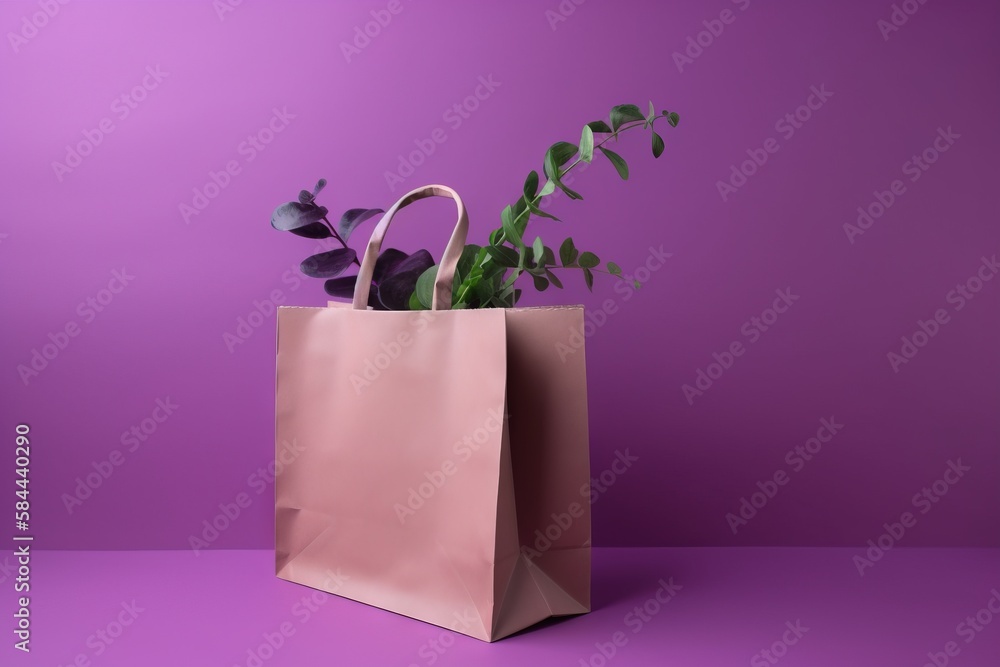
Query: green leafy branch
x=486, y=276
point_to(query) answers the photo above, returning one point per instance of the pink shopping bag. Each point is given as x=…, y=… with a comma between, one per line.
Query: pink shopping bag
x=443, y=463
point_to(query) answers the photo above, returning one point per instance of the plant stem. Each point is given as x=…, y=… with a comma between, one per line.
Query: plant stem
x=613, y=135
x=337, y=236
x=512, y=278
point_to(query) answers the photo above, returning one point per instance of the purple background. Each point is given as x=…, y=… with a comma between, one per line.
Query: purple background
x=163, y=335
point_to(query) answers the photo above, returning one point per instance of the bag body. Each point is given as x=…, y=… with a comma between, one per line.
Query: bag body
x=441, y=460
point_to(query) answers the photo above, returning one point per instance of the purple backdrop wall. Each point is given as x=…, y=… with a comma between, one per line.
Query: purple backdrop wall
x=167, y=287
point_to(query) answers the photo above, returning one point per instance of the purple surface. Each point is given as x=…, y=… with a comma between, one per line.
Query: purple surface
x=730, y=605
x=222, y=75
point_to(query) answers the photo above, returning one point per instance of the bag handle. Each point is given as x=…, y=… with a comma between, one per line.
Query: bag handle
x=449, y=260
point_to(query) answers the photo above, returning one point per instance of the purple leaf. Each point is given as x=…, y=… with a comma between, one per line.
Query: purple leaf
x=306, y=197
x=294, y=215
x=328, y=264
x=395, y=290
x=342, y=288
x=320, y=184
x=316, y=230
x=387, y=263
x=353, y=218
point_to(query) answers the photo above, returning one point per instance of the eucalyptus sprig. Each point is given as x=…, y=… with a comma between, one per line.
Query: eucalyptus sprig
x=486, y=275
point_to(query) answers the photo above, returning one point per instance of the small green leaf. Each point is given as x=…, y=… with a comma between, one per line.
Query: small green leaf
x=503, y=255
x=493, y=268
x=548, y=188
x=512, y=278
x=485, y=291
x=637, y=284
x=624, y=113
x=599, y=126
x=531, y=185
x=618, y=161
x=539, y=212
x=588, y=278
x=657, y=144
x=650, y=116
x=553, y=279
x=572, y=194
x=509, y=231
x=538, y=251
x=587, y=144
x=415, y=302
x=425, y=286
x=672, y=118
x=550, y=167
x=589, y=260
x=463, y=294
x=549, y=256
x=516, y=210
x=614, y=269
x=568, y=253
x=541, y=284
x=558, y=155
x=561, y=152
x=468, y=261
